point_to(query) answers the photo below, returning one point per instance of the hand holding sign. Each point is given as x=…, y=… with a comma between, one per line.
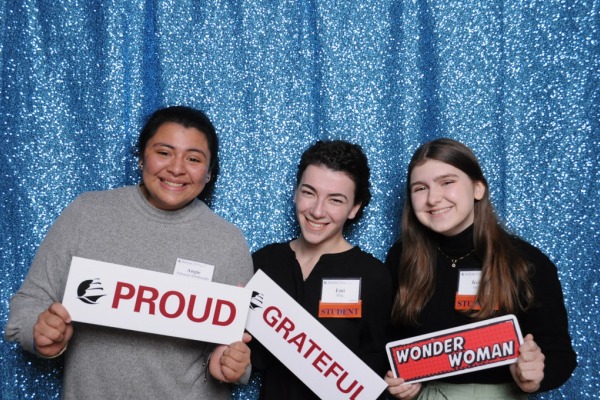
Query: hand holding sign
x=228, y=363
x=52, y=331
x=400, y=389
x=528, y=372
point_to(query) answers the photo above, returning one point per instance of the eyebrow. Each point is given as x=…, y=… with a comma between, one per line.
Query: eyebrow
x=193, y=149
x=436, y=179
x=329, y=195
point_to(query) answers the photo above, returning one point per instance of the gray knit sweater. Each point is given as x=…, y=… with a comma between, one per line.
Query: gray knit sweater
x=119, y=226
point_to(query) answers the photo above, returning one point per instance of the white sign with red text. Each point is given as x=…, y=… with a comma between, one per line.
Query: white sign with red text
x=306, y=347
x=136, y=299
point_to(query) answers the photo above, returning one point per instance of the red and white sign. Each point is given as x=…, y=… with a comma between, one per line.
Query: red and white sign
x=459, y=350
x=306, y=347
x=131, y=298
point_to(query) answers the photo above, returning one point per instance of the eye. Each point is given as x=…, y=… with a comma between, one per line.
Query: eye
x=447, y=182
x=418, y=188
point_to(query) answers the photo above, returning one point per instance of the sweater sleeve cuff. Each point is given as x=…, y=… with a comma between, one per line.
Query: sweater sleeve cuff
x=245, y=378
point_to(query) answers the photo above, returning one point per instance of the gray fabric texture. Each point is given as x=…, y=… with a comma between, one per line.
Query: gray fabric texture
x=119, y=226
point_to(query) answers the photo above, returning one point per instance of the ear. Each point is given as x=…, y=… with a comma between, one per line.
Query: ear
x=478, y=190
x=354, y=210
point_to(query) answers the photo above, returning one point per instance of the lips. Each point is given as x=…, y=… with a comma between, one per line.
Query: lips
x=440, y=211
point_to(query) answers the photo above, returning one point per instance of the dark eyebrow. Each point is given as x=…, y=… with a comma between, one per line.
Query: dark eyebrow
x=193, y=149
x=330, y=195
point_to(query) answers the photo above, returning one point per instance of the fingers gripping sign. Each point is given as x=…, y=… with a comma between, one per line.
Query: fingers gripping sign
x=229, y=363
x=52, y=331
x=528, y=372
x=398, y=388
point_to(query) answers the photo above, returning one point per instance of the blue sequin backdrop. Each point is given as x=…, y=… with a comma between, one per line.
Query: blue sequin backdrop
x=516, y=80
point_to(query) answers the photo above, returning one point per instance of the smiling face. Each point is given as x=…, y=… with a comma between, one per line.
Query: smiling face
x=324, y=201
x=443, y=197
x=175, y=166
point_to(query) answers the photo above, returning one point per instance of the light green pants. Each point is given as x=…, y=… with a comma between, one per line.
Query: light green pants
x=471, y=391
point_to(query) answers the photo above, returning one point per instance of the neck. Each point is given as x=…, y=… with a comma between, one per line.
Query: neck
x=308, y=254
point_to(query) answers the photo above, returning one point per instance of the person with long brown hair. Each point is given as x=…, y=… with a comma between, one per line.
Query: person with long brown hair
x=449, y=225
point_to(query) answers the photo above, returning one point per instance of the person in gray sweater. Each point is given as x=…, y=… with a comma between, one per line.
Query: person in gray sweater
x=148, y=226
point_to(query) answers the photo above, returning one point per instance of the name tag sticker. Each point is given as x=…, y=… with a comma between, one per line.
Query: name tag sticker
x=194, y=269
x=340, y=298
x=468, y=285
x=340, y=291
x=468, y=282
x=459, y=350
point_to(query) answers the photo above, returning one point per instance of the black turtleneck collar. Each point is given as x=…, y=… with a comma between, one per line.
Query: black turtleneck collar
x=456, y=245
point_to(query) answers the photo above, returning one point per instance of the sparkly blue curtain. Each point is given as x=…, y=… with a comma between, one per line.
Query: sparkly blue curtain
x=517, y=81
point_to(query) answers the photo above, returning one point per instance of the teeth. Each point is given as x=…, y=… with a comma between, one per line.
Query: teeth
x=315, y=225
x=443, y=210
x=173, y=184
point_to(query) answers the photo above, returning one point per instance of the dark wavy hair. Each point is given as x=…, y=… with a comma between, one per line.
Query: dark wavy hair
x=342, y=156
x=189, y=118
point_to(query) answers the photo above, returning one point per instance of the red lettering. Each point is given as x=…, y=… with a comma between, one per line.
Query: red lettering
x=313, y=346
x=220, y=305
x=119, y=295
x=141, y=299
x=190, y=310
x=341, y=379
x=269, y=319
x=163, y=304
x=319, y=360
x=322, y=361
x=332, y=368
x=357, y=392
x=286, y=325
x=298, y=340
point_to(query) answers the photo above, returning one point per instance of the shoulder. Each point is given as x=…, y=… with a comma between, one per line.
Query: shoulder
x=393, y=255
x=96, y=203
x=365, y=258
x=213, y=221
x=367, y=264
x=273, y=248
x=104, y=198
x=270, y=254
x=530, y=253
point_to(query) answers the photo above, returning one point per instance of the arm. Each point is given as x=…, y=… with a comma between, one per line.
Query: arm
x=547, y=322
x=377, y=304
x=34, y=320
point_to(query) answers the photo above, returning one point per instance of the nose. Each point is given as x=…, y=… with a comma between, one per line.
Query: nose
x=434, y=196
x=318, y=208
x=176, y=166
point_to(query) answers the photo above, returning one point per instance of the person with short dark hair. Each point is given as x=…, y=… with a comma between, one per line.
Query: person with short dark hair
x=148, y=226
x=448, y=226
x=332, y=189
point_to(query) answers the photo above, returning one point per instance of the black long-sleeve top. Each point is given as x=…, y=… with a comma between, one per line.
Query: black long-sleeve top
x=546, y=320
x=365, y=336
